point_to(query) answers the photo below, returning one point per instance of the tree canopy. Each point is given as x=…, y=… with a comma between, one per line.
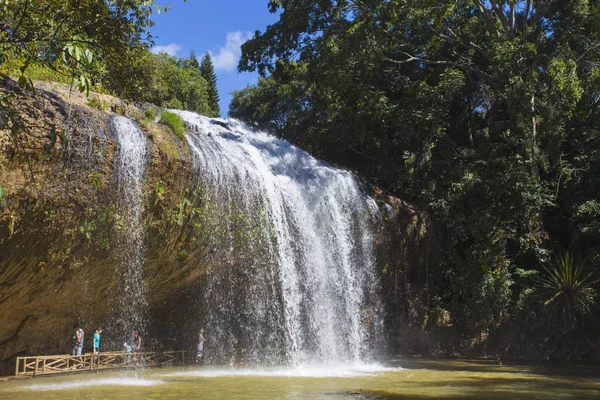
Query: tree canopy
x=175, y=83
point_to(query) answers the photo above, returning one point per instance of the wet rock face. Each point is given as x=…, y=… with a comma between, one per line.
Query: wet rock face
x=64, y=232
x=61, y=227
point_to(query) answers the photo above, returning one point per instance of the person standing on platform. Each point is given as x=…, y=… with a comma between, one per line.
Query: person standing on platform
x=96, y=350
x=77, y=341
x=136, y=341
x=200, y=352
x=74, y=340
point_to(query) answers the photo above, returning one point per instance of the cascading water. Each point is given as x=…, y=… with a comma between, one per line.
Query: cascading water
x=303, y=289
x=131, y=162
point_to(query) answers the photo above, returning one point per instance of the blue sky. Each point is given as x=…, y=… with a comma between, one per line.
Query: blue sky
x=219, y=27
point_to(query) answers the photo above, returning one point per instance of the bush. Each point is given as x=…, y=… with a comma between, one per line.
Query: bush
x=174, y=122
x=174, y=103
x=150, y=114
x=95, y=102
x=569, y=287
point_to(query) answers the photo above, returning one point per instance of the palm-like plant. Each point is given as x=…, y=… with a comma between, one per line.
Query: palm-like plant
x=569, y=286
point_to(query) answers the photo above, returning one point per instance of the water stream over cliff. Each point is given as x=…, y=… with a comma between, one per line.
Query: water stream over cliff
x=130, y=165
x=309, y=295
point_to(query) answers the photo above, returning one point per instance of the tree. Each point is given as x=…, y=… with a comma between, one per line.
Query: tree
x=208, y=73
x=193, y=61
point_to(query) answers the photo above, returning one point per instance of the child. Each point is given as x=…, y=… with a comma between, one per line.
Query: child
x=127, y=348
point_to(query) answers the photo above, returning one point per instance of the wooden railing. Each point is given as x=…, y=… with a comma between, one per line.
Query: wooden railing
x=60, y=364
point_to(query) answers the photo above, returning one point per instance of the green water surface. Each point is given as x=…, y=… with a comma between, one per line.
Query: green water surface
x=401, y=379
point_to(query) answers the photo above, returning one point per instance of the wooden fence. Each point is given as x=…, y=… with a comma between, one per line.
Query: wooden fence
x=60, y=364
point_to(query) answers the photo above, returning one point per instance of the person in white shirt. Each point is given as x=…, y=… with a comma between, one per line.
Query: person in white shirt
x=200, y=352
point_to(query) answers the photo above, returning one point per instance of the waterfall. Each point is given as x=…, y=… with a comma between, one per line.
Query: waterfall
x=130, y=313
x=300, y=285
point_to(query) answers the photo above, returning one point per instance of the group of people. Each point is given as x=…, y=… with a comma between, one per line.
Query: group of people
x=134, y=344
x=77, y=340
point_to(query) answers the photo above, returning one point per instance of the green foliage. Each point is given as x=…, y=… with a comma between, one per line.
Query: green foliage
x=208, y=73
x=97, y=226
x=173, y=83
x=193, y=61
x=569, y=288
x=174, y=103
x=182, y=255
x=1, y=193
x=95, y=102
x=97, y=180
x=159, y=192
x=150, y=114
x=174, y=122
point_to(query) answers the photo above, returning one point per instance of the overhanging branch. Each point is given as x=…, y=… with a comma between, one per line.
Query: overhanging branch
x=489, y=79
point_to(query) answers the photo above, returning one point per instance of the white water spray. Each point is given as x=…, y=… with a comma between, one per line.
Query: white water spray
x=131, y=164
x=313, y=298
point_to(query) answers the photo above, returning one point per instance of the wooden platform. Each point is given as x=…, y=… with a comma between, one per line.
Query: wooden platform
x=65, y=363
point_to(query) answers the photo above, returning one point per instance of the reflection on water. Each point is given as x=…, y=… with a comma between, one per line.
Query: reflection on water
x=422, y=379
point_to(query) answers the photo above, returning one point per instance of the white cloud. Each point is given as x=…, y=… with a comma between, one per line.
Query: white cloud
x=227, y=57
x=171, y=49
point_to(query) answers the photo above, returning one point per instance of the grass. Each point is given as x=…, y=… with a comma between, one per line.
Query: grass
x=174, y=122
x=150, y=114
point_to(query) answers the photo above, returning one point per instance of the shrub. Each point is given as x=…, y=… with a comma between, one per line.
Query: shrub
x=95, y=102
x=150, y=114
x=569, y=288
x=138, y=116
x=174, y=103
x=174, y=122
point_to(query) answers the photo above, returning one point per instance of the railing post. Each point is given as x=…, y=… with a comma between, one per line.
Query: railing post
x=92, y=364
x=35, y=367
x=17, y=366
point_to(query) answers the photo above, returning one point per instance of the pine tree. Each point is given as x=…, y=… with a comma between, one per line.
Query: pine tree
x=193, y=60
x=208, y=73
